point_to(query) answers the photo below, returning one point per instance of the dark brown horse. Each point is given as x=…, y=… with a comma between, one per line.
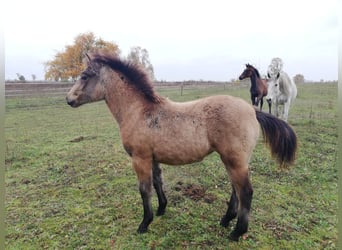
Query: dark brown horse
x=258, y=86
x=157, y=130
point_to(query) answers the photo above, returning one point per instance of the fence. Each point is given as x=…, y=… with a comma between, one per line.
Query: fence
x=13, y=90
x=32, y=89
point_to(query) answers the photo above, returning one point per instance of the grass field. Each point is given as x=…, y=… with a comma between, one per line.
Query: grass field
x=70, y=184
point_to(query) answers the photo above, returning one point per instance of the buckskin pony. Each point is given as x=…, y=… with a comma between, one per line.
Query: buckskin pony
x=157, y=130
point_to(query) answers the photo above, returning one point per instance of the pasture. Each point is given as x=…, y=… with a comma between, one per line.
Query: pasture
x=70, y=183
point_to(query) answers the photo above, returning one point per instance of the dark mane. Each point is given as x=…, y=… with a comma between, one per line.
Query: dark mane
x=255, y=70
x=135, y=74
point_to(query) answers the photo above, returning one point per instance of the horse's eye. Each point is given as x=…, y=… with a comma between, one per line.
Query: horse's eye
x=84, y=77
x=276, y=85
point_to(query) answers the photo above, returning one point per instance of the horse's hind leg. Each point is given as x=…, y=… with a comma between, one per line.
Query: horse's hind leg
x=232, y=209
x=241, y=200
x=158, y=186
x=245, y=194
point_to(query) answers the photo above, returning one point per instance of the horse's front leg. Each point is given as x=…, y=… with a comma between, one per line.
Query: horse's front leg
x=269, y=101
x=158, y=186
x=143, y=169
x=261, y=102
x=256, y=104
x=253, y=99
x=286, y=110
x=277, y=110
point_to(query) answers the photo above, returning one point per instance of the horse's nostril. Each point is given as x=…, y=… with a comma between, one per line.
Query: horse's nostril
x=71, y=103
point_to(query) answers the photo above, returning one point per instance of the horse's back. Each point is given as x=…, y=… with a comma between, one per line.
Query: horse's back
x=288, y=89
x=189, y=131
x=294, y=90
x=232, y=126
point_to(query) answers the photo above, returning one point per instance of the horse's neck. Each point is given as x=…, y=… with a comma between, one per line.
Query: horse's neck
x=253, y=81
x=122, y=100
x=285, y=83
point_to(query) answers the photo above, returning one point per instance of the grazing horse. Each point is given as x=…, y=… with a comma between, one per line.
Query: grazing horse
x=258, y=86
x=155, y=130
x=281, y=91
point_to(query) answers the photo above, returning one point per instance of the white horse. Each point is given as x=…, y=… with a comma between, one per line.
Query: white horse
x=276, y=66
x=281, y=90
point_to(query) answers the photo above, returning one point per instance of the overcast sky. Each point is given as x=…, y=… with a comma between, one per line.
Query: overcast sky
x=186, y=39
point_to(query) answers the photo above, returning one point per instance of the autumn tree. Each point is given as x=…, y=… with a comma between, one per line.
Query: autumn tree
x=141, y=56
x=68, y=64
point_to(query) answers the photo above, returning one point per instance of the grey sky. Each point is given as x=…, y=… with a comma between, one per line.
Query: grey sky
x=186, y=39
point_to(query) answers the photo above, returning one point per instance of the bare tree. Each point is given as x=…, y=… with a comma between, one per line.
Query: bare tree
x=21, y=77
x=141, y=56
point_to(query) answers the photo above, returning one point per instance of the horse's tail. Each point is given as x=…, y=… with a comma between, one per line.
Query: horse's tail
x=279, y=136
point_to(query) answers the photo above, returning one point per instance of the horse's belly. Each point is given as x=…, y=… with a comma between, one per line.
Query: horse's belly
x=181, y=152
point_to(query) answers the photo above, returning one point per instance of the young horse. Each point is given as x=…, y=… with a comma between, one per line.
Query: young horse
x=258, y=86
x=156, y=130
x=281, y=91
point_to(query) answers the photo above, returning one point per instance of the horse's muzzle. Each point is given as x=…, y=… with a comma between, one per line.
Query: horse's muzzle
x=71, y=102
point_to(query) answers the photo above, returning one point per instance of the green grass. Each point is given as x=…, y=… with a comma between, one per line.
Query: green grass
x=70, y=184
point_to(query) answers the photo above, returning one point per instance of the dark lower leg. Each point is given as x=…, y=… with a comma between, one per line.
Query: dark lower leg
x=231, y=211
x=269, y=106
x=253, y=100
x=246, y=195
x=256, y=102
x=158, y=186
x=261, y=103
x=145, y=191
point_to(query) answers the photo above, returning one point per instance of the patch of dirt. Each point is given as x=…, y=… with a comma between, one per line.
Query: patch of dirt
x=280, y=231
x=77, y=139
x=195, y=192
x=81, y=138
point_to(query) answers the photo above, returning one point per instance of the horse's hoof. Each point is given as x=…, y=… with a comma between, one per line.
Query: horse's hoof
x=160, y=212
x=142, y=229
x=224, y=222
x=233, y=236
